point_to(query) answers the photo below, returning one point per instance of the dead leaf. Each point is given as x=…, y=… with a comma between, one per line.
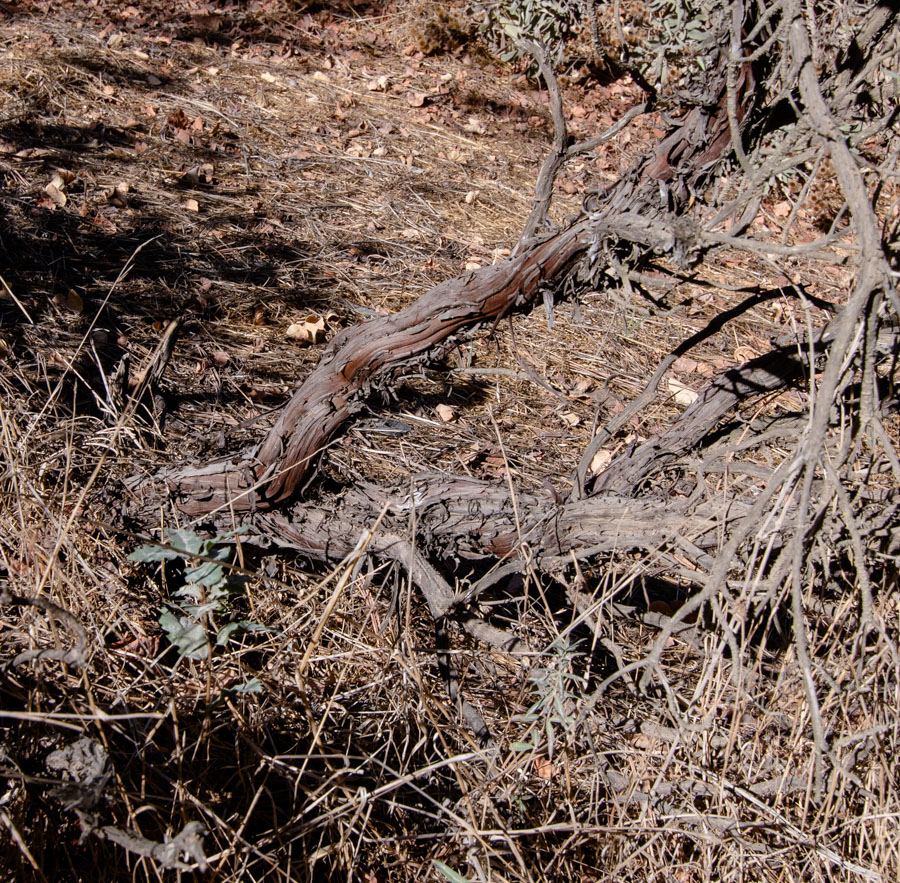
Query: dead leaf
x=192, y=205
x=781, y=209
x=686, y=365
x=600, y=461
x=571, y=419
x=445, y=413
x=221, y=358
x=543, y=768
x=118, y=195
x=178, y=119
x=682, y=394
x=56, y=195
x=471, y=196
x=475, y=126
x=310, y=330
x=267, y=77
x=140, y=645
x=69, y=300
x=416, y=99
x=582, y=385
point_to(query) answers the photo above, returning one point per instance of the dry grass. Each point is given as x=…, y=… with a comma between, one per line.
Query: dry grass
x=326, y=173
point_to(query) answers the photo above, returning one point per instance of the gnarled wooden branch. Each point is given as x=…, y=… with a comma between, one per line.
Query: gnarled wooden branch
x=638, y=210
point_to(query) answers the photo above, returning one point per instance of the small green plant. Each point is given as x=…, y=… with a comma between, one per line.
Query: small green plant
x=209, y=587
x=558, y=689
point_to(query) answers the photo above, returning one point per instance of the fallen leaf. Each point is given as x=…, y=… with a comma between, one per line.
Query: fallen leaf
x=582, y=385
x=192, y=205
x=267, y=77
x=543, y=768
x=445, y=413
x=178, y=119
x=682, y=394
x=571, y=419
x=475, y=126
x=683, y=363
x=781, y=209
x=56, y=195
x=69, y=300
x=221, y=358
x=600, y=461
x=308, y=331
x=416, y=99
x=118, y=195
x=471, y=196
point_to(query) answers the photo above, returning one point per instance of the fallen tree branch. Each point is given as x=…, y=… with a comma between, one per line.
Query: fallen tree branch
x=642, y=210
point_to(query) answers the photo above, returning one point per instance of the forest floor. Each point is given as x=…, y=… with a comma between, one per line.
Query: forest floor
x=269, y=175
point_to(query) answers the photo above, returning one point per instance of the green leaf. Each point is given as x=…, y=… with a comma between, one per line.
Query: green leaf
x=185, y=540
x=254, y=685
x=148, y=553
x=208, y=573
x=185, y=634
x=244, y=626
x=449, y=873
x=521, y=746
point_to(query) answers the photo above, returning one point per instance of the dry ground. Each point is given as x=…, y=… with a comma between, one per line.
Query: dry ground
x=253, y=168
